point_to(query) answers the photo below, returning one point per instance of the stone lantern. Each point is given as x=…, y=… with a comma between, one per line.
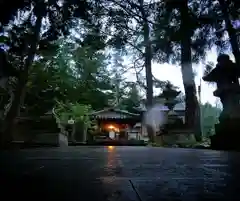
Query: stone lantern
x=226, y=75
x=170, y=94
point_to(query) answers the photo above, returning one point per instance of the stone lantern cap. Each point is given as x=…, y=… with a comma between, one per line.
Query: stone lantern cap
x=225, y=74
x=225, y=71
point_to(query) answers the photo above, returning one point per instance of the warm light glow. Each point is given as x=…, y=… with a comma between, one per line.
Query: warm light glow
x=112, y=127
x=110, y=147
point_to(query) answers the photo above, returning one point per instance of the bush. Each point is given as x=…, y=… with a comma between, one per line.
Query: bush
x=77, y=112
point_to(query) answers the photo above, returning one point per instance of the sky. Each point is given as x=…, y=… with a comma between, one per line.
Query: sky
x=173, y=74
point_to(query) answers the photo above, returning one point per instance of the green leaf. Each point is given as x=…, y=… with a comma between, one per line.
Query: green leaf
x=4, y=39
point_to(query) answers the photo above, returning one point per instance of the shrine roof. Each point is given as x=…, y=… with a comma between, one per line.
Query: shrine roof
x=178, y=107
x=113, y=113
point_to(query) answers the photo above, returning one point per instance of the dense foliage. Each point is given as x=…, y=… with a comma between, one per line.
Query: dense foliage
x=209, y=117
x=60, y=50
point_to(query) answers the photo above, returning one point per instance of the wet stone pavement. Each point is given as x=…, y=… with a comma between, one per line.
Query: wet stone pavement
x=119, y=173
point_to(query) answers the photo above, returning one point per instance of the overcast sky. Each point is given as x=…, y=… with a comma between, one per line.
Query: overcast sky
x=173, y=74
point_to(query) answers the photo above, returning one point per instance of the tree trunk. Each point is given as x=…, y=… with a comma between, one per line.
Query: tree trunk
x=18, y=99
x=192, y=114
x=148, y=68
x=148, y=65
x=231, y=31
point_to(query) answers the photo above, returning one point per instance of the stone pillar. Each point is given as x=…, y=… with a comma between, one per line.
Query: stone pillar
x=62, y=140
x=80, y=132
x=62, y=136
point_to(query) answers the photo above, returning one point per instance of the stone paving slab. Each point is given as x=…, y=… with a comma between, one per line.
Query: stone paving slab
x=180, y=189
x=120, y=173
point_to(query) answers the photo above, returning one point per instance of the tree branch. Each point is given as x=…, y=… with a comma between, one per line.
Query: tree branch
x=133, y=14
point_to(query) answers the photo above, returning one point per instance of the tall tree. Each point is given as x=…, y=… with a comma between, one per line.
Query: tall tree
x=23, y=78
x=147, y=51
x=181, y=38
x=185, y=30
x=129, y=20
x=130, y=27
x=34, y=36
x=230, y=10
x=71, y=69
x=132, y=100
x=192, y=107
x=118, y=80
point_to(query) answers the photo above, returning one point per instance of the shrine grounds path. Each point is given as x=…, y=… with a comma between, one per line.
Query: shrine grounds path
x=119, y=174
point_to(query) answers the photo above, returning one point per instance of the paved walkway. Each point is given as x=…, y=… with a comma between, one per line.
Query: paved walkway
x=119, y=173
